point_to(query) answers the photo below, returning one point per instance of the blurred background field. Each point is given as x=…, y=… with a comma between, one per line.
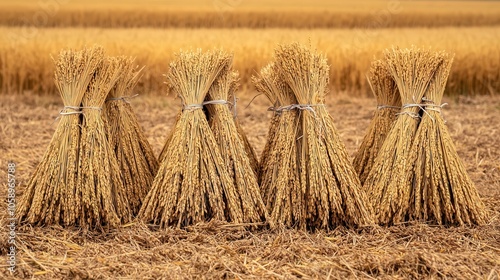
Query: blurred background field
x=350, y=33
x=253, y=14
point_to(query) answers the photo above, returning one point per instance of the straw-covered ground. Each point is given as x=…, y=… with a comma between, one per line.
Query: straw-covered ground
x=216, y=250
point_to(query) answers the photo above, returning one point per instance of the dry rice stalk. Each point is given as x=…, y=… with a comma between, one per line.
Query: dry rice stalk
x=231, y=143
x=441, y=190
x=329, y=184
x=135, y=157
x=192, y=184
x=280, y=185
x=161, y=157
x=412, y=69
x=51, y=196
x=389, y=104
x=252, y=156
x=266, y=83
x=100, y=185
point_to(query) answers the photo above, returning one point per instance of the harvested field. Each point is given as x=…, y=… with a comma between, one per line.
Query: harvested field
x=216, y=250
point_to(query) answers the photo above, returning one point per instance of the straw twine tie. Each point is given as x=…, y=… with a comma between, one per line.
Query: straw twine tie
x=74, y=110
x=191, y=107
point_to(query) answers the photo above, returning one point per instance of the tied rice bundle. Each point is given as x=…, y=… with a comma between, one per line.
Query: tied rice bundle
x=231, y=142
x=412, y=70
x=280, y=184
x=267, y=83
x=329, y=186
x=192, y=184
x=389, y=104
x=135, y=157
x=441, y=190
x=100, y=184
x=52, y=195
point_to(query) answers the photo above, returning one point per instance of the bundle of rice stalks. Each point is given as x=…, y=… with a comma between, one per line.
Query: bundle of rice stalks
x=252, y=156
x=135, y=157
x=52, y=194
x=104, y=200
x=389, y=104
x=412, y=69
x=231, y=142
x=192, y=184
x=441, y=190
x=280, y=182
x=330, y=187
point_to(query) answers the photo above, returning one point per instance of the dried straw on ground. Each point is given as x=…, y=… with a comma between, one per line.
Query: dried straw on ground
x=233, y=149
x=100, y=184
x=280, y=182
x=135, y=157
x=331, y=190
x=412, y=69
x=389, y=104
x=192, y=184
x=52, y=195
x=441, y=190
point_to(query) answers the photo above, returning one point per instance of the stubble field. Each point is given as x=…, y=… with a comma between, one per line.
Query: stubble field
x=217, y=250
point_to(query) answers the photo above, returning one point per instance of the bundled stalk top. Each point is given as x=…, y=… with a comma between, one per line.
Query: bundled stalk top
x=135, y=157
x=305, y=72
x=192, y=74
x=51, y=196
x=232, y=143
x=389, y=104
x=383, y=86
x=130, y=76
x=412, y=70
x=192, y=184
x=74, y=71
x=441, y=190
